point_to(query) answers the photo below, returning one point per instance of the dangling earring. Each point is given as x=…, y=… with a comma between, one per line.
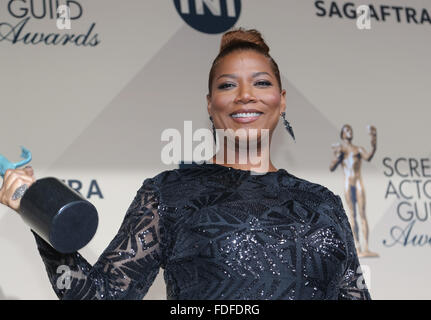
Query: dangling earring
x=287, y=125
x=214, y=132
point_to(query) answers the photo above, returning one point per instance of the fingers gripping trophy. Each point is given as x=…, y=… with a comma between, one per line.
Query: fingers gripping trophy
x=350, y=157
x=56, y=212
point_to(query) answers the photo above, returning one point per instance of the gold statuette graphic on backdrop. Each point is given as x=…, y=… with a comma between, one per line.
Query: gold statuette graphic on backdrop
x=350, y=158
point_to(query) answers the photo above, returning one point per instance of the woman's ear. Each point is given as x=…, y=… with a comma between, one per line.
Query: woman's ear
x=209, y=103
x=283, y=101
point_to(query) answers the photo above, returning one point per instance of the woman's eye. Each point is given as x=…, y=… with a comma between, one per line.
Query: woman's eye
x=263, y=83
x=225, y=85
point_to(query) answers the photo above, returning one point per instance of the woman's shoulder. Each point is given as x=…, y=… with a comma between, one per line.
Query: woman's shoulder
x=311, y=191
x=178, y=183
x=172, y=176
x=317, y=197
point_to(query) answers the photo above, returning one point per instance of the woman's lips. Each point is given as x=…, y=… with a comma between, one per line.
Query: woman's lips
x=246, y=117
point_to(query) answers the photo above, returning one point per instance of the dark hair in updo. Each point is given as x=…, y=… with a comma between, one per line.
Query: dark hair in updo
x=241, y=39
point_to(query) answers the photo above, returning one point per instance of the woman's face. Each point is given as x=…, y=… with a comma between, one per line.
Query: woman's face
x=245, y=93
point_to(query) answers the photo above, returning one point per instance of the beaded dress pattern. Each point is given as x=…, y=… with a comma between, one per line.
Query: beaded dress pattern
x=221, y=233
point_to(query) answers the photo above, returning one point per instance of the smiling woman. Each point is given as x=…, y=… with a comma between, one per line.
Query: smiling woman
x=221, y=230
x=245, y=91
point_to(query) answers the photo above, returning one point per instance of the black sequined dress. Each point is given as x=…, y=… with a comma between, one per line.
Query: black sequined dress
x=221, y=233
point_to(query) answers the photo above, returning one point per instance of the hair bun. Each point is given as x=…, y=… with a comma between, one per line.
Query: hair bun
x=239, y=35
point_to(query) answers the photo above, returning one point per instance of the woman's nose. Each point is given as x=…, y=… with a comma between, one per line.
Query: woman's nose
x=245, y=94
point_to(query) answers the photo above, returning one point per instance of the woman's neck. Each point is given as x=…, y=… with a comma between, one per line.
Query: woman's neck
x=245, y=166
x=259, y=161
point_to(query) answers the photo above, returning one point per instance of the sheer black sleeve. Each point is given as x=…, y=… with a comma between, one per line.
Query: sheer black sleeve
x=126, y=268
x=352, y=285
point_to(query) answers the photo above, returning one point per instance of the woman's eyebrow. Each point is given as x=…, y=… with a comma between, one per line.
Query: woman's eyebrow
x=256, y=74
x=227, y=75
x=234, y=76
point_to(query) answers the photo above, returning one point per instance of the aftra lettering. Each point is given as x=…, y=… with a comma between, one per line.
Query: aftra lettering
x=93, y=189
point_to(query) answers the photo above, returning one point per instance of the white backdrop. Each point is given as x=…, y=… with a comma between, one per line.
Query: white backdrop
x=93, y=111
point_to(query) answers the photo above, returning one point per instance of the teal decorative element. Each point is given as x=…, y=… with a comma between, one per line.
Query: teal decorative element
x=6, y=164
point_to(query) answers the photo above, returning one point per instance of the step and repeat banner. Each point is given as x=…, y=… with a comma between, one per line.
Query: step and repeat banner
x=89, y=86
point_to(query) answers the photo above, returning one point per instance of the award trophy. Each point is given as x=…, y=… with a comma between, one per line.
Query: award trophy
x=56, y=212
x=349, y=157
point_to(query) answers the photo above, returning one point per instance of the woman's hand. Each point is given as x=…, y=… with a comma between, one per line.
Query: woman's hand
x=12, y=180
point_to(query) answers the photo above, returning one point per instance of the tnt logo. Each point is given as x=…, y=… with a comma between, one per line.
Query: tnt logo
x=209, y=16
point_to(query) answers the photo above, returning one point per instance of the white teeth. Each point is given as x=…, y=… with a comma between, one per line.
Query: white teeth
x=246, y=115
